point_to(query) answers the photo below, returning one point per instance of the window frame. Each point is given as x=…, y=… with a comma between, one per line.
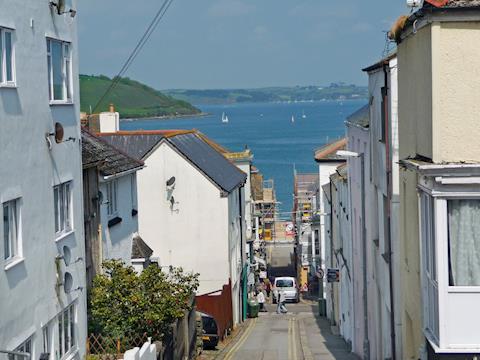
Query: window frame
x=63, y=351
x=66, y=61
x=23, y=349
x=15, y=245
x=3, y=59
x=112, y=198
x=63, y=201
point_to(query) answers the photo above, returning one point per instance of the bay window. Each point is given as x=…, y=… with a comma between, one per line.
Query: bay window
x=66, y=332
x=7, y=72
x=59, y=71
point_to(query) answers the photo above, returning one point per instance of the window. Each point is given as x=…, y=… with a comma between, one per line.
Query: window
x=59, y=70
x=62, y=196
x=66, y=331
x=384, y=114
x=464, y=242
x=46, y=338
x=11, y=233
x=428, y=235
x=134, y=191
x=25, y=347
x=7, y=73
x=112, y=188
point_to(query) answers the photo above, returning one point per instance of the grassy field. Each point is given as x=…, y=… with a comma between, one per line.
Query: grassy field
x=131, y=98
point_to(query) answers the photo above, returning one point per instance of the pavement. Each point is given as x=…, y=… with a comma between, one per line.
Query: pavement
x=299, y=334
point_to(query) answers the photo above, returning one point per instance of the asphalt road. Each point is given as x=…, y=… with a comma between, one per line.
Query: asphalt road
x=296, y=335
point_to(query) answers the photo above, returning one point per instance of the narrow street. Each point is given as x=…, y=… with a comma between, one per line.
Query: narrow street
x=300, y=334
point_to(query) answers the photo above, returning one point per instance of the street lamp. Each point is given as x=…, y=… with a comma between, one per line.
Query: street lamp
x=361, y=156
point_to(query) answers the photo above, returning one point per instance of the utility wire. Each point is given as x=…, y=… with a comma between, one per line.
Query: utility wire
x=140, y=44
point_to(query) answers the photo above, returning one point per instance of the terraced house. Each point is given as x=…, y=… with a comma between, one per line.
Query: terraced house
x=42, y=254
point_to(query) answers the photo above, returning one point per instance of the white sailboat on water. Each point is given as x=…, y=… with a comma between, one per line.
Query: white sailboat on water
x=293, y=119
x=224, y=118
x=303, y=115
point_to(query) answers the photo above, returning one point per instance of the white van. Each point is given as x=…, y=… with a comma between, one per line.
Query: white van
x=289, y=286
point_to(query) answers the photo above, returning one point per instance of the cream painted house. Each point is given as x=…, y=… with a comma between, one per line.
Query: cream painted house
x=439, y=132
x=190, y=206
x=42, y=250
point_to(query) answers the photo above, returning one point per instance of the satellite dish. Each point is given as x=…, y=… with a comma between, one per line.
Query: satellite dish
x=67, y=255
x=171, y=181
x=59, y=132
x=67, y=282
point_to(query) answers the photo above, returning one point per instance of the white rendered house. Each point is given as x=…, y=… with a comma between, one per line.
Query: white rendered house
x=110, y=203
x=42, y=267
x=190, y=202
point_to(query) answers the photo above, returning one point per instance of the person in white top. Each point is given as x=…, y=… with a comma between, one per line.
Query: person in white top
x=281, y=308
x=261, y=300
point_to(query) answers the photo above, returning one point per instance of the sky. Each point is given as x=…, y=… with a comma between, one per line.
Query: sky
x=212, y=44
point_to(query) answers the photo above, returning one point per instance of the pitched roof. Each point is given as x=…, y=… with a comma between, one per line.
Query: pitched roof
x=137, y=144
x=328, y=152
x=140, y=249
x=202, y=152
x=361, y=117
x=109, y=160
x=208, y=160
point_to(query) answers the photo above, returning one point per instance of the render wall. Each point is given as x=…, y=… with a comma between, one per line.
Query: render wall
x=29, y=170
x=194, y=232
x=456, y=60
x=117, y=240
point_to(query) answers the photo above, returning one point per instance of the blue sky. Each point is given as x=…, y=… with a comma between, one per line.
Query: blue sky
x=204, y=44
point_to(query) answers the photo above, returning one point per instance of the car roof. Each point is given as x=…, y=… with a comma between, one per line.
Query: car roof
x=285, y=278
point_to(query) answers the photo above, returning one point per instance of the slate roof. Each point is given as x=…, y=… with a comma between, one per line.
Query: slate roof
x=328, y=152
x=361, y=117
x=208, y=160
x=140, y=249
x=202, y=152
x=452, y=3
x=137, y=144
x=109, y=160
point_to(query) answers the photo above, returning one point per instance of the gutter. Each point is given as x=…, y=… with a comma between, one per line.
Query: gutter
x=123, y=173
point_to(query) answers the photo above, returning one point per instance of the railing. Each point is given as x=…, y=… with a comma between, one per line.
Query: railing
x=16, y=353
x=111, y=348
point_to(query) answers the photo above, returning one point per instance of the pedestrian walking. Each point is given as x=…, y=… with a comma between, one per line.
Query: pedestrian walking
x=261, y=300
x=268, y=287
x=281, y=308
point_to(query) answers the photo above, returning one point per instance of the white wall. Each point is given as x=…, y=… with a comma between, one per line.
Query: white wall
x=117, y=240
x=109, y=122
x=28, y=170
x=194, y=233
x=325, y=169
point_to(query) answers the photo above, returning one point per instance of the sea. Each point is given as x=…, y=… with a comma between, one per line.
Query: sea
x=279, y=145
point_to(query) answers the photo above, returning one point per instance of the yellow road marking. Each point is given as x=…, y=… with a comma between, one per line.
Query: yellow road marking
x=242, y=339
x=294, y=343
x=289, y=339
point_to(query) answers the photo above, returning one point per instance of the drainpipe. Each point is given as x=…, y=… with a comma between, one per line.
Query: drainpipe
x=388, y=159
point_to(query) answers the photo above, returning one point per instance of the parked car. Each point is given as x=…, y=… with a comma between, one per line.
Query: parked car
x=289, y=286
x=209, y=331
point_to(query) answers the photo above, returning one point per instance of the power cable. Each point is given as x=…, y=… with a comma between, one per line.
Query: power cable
x=139, y=46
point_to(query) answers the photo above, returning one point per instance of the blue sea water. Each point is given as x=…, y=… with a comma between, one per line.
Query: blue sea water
x=278, y=145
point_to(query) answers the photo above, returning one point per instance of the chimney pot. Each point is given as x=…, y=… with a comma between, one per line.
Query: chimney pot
x=111, y=108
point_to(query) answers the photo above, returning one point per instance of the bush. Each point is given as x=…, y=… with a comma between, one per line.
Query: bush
x=124, y=303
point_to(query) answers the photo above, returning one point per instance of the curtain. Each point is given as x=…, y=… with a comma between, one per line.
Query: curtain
x=464, y=242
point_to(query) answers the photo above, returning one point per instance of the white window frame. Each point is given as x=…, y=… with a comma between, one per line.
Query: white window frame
x=3, y=63
x=67, y=89
x=112, y=198
x=64, y=349
x=23, y=348
x=14, y=241
x=62, y=202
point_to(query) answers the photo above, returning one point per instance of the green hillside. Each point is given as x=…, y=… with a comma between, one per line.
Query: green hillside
x=132, y=99
x=334, y=91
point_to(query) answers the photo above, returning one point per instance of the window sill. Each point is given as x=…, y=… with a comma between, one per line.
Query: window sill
x=8, y=86
x=13, y=262
x=59, y=102
x=62, y=236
